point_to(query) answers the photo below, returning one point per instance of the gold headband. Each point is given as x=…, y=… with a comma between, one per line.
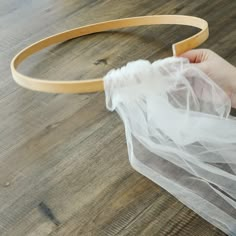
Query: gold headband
x=94, y=85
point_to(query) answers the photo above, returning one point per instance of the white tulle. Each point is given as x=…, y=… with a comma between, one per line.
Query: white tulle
x=179, y=133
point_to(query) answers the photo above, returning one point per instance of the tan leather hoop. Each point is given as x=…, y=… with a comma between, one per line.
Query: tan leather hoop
x=94, y=85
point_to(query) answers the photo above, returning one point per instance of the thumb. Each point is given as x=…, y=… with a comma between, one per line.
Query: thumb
x=201, y=66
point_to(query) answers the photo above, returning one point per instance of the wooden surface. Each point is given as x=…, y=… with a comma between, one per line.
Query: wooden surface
x=64, y=168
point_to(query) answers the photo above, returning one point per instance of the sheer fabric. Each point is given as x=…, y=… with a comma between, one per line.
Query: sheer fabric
x=179, y=133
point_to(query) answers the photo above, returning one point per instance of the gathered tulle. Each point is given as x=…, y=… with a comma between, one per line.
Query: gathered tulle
x=179, y=133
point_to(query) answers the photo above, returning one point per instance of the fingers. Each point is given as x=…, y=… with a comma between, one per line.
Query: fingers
x=196, y=55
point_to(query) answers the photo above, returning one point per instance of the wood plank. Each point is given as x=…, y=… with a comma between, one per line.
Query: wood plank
x=64, y=168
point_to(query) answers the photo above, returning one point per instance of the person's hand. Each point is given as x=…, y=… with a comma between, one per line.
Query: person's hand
x=218, y=69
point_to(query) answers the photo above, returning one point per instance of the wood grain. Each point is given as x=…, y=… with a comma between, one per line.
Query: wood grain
x=64, y=168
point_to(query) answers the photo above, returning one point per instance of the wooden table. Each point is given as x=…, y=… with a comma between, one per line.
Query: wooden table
x=64, y=167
